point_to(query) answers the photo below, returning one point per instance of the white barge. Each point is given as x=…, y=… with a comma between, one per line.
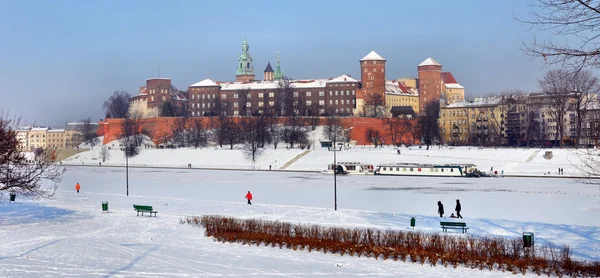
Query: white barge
x=351, y=168
x=431, y=170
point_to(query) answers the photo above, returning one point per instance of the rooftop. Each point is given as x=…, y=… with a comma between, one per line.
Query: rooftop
x=373, y=56
x=342, y=78
x=429, y=62
x=205, y=83
x=477, y=102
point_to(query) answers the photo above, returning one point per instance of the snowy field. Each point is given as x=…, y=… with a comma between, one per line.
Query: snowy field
x=69, y=235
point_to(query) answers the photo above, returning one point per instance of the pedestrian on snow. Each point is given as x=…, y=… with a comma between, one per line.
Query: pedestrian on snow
x=77, y=187
x=440, y=208
x=249, y=197
x=458, y=209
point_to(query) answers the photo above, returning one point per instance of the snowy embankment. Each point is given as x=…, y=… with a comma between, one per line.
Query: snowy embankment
x=510, y=161
x=69, y=235
x=520, y=161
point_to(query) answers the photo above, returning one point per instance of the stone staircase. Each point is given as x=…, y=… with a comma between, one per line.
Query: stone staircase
x=293, y=160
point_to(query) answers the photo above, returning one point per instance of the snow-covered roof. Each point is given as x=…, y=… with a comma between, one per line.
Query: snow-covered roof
x=161, y=78
x=453, y=86
x=205, y=83
x=399, y=88
x=477, y=102
x=58, y=130
x=429, y=62
x=341, y=79
x=39, y=129
x=373, y=56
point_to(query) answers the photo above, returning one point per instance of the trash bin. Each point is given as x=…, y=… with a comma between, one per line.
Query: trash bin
x=412, y=222
x=13, y=196
x=105, y=206
x=528, y=239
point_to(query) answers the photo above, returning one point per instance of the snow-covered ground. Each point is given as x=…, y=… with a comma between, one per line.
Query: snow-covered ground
x=69, y=235
x=520, y=161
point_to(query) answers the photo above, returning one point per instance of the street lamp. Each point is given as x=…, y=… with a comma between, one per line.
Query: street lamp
x=335, y=149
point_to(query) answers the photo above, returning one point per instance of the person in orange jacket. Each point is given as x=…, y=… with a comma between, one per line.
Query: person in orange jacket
x=77, y=187
x=249, y=197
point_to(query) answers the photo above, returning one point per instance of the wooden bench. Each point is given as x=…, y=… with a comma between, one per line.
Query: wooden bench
x=454, y=225
x=142, y=209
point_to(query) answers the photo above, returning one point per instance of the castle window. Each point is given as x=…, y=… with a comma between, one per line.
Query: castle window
x=330, y=102
x=235, y=96
x=308, y=102
x=336, y=93
x=331, y=93
x=271, y=94
x=248, y=65
x=271, y=103
x=203, y=96
x=261, y=95
x=375, y=70
x=235, y=104
x=352, y=92
x=308, y=94
x=321, y=93
x=295, y=94
x=223, y=96
x=321, y=102
x=260, y=104
x=249, y=95
x=374, y=62
x=347, y=93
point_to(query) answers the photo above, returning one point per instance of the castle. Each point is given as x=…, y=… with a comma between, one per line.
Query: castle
x=371, y=96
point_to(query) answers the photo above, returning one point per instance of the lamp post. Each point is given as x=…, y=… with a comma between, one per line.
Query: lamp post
x=334, y=149
x=127, y=150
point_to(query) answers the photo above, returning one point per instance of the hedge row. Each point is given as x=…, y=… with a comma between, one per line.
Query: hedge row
x=448, y=250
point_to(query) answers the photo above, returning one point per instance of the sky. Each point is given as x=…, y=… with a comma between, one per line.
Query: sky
x=60, y=60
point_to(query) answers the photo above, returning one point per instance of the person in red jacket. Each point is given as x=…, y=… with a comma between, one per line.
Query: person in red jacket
x=249, y=197
x=77, y=187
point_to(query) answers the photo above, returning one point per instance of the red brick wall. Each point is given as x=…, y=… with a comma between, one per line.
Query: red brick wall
x=111, y=128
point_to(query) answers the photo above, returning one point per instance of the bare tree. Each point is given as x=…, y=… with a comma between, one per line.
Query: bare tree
x=130, y=136
x=428, y=124
x=555, y=84
x=88, y=132
x=243, y=101
x=197, y=133
x=117, y=105
x=36, y=178
x=588, y=164
x=333, y=129
x=294, y=130
x=531, y=127
x=284, y=97
x=374, y=136
x=374, y=106
x=179, y=131
x=573, y=24
x=584, y=90
x=104, y=153
x=275, y=131
x=393, y=126
x=251, y=129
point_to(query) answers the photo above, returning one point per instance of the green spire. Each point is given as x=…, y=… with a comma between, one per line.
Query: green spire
x=245, y=66
x=278, y=73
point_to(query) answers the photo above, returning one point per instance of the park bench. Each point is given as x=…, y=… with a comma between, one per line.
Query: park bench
x=143, y=209
x=454, y=225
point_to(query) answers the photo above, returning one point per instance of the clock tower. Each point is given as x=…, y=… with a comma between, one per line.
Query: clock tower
x=372, y=77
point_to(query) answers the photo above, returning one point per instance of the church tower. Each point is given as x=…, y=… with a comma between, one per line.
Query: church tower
x=372, y=77
x=278, y=73
x=269, y=73
x=245, y=71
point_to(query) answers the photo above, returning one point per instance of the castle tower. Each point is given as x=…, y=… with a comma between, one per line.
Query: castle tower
x=372, y=68
x=269, y=73
x=278, y=73
x=245, y=71
x=430, y=81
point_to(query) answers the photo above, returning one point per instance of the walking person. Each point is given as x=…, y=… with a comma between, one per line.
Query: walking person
x=440, y=208
x=249, y=197
x=458, y=209
x=77, y=187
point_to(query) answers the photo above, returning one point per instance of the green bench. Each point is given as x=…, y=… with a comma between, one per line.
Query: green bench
x=454, y=225
x=143, y=209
